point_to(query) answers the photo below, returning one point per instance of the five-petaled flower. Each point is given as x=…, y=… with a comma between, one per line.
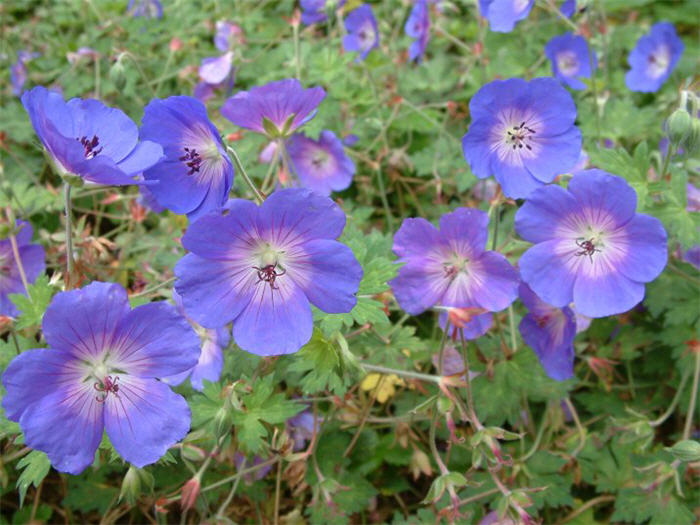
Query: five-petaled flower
x=87, y=139
x=571, y=59
x=322, y=164
x=195, y=175
x=522, y=133
x=276, y=109
x=504, y=14
x=31, y=256
x=550, y=331
x=363, y=34
x=450, y=266
x=418, y=27
x=100, y=373
x=653, y=58
x=591, y=248
x=262, y=268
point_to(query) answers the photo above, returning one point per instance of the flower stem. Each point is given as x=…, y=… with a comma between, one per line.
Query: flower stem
x=667, y=159
x=239, y=167
x=69, y=236
x=15, y=250
x=436, y=412
x=673, y=404
x=404, y=373
x=693, y=397
x=496, y=223
x=579, y=426
x=470, y=398
x=222, y=508
x=382, y=195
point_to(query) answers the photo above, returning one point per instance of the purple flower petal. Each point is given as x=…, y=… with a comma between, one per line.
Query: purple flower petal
x=653, y=58
x=145, y=419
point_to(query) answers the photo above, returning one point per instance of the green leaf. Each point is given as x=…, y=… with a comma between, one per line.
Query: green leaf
x=36, y=466
x=261, y=405
x=32, y=308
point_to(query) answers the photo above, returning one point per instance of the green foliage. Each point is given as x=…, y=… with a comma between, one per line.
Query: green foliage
x=261, y=404
x=35, y=466
x=32, y=307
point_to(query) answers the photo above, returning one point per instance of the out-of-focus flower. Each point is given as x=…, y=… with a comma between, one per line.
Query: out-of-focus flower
x=383, y=387
x=18, y=71
x=550, y=331
x=322, y=164
x=363, y=34
x=571, y=59
x=276, y=109
x=226, y=35
x=418, y=27
x=32, y=258
x=504, y=14
x=653, y=58
x=145, y=8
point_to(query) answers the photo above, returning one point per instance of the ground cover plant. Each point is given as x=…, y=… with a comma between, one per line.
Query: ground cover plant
x=398, y=262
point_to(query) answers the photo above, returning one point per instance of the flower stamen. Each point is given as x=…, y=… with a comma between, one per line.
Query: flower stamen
x=192, y=160
x=90, y=145
x=106, y=386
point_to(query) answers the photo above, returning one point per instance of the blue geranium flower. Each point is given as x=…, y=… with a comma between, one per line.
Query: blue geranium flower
x=18, y=71
x=195, y=175
x=550, y=331
x=568, y=8
x=262, y=268
x=504, y=14
x=591, y=248
x=87, y=139
x=322, y=164
x=145, y=8
x=363, y=34
x=276, y=109
x=570, y=59
x=522, y=133
x=450, y=266
x=418, y=27
x=653, y=58
x=100, y=373
x=32, y=258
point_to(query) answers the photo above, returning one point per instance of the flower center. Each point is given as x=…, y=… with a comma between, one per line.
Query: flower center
x=90, y=145
x=659, y=61
x=105, y=386
x=588, y=247
x=269, y=267
x=366, y=35
x=455, y=266
x=567, y=63
x=519, y=137
x=192, y=160
x=320, y=159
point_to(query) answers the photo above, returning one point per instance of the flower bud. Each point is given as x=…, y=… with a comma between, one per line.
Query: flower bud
x=692, y=141
x=190, y=492
x=117, y=73
x=135, y=480
x=222, y=421
x=679, y=126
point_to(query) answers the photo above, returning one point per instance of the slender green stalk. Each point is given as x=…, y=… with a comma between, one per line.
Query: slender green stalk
x=222, y=508
x=385, y=201
x=69, y=236
x=674, y=402
x=468, y=390
x=667, y=159
x=579, y=427
x=404, y=373
x=241, y=170
x=693, y=398
x=496, y=223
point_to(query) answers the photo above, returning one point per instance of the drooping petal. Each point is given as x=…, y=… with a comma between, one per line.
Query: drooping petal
x=210, y=363
x=547, y=273
x=275, y=321
x=328, y=273
x=67, y=425
x=552, y=341
x=144, y=419
x=83, y=322
x=213, y=292
x=420, y=284
x=154, y=340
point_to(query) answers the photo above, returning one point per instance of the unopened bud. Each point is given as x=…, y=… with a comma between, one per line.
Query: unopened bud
x=117, y=73
x=679, y=126
x=134, y=482
x=190, y=492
